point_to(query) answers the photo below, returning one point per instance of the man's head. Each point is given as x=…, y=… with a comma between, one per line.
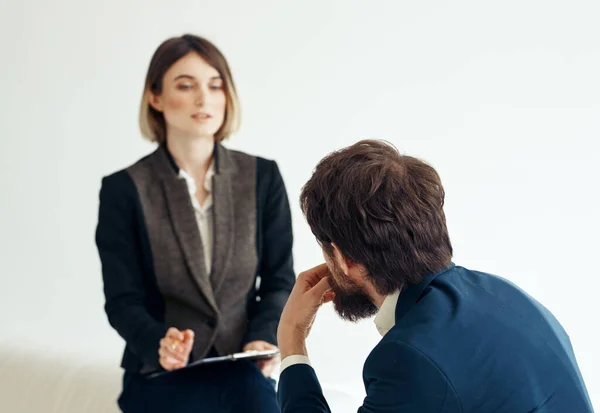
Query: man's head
x=379, y=218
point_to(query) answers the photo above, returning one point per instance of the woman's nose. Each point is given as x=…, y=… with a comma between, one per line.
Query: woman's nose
x=199, y=98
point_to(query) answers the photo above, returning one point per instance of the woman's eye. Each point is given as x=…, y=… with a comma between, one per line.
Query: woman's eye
x=216, y=87
x=184, y=86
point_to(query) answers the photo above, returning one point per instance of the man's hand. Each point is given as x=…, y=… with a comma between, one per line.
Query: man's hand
x=175, y=348
x=310, y=291
x=267, y=365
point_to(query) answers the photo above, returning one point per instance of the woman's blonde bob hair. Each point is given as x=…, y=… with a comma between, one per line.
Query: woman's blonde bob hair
x=152, y=122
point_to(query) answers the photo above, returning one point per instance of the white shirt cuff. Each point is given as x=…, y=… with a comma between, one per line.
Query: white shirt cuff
x=291, y=360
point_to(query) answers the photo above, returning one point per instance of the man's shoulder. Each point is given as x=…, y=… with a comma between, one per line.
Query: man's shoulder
x=392, y=349
x=396, y=365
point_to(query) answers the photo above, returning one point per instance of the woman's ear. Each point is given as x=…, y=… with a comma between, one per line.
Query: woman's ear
x=155, y=101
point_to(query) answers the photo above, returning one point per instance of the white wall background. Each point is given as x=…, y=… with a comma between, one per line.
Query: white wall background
x=503, y=98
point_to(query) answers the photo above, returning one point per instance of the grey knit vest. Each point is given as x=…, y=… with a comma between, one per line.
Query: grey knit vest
x=212, y=305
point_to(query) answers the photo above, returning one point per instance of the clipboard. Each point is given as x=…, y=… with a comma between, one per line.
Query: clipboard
x=246, y=355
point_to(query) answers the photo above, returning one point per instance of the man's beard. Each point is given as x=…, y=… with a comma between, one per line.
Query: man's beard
x=351, y=302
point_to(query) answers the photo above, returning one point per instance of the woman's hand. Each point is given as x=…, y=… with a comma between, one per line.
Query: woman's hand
x=175, y=349
x=267, y=365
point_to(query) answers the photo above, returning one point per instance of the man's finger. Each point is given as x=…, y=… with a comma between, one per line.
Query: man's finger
x=328, y=297
x=314, y=275
x=321, y=288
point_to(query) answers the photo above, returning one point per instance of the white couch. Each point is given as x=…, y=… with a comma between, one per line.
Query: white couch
x=35, y=381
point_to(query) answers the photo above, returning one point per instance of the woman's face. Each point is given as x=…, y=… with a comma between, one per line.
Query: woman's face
x=193, y=100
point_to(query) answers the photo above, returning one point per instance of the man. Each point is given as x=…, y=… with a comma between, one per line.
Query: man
x=454, y=340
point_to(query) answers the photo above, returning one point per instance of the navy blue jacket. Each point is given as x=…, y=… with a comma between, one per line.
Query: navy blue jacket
x=464, y=341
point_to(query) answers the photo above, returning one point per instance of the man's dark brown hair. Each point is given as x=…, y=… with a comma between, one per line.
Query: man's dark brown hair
x=383, y=210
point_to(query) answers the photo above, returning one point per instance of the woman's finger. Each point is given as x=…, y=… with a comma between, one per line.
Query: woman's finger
x=177, y=351
x=188, y=340
x=175, y=334
x=169, y=363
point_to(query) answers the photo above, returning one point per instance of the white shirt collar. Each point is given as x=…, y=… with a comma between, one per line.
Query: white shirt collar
x=386, y=316
x=191, y=184
x=207, y=178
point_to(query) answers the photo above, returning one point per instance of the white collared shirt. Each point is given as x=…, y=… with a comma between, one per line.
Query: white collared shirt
x=384, y=321
x=386, y=316
x=204, y=216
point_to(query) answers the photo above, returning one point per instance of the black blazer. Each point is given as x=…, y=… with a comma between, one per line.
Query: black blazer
x=150, y=249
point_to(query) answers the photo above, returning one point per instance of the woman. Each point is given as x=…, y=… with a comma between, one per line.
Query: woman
x=195, y=242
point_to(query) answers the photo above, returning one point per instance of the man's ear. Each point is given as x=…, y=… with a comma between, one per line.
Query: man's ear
x=342, y=262
x=155, y=101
